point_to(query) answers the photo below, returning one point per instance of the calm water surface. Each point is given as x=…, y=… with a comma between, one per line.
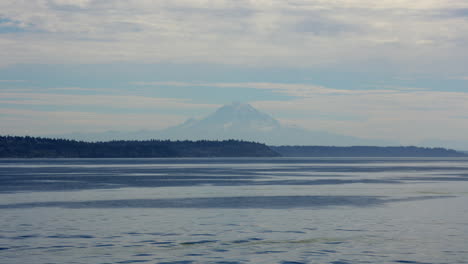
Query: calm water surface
x=279, y=210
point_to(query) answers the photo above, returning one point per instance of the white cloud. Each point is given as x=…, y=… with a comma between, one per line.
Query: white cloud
x=23, y=122
x=12, y=81
x=269, y=32
x=136, y=112
x=115, y=101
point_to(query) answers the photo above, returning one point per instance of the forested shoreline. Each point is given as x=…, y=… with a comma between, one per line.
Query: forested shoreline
x=37, y=147
x=365, y=151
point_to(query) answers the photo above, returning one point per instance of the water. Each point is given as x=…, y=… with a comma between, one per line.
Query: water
x=268, y=210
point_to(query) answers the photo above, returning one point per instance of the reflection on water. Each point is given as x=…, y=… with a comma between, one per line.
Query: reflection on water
x=278, y=210
x=259, y=202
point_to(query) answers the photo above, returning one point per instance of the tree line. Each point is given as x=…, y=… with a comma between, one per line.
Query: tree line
x=365, y=151
x=39, y=147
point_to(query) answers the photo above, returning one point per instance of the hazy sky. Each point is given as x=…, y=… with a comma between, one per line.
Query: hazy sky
x=389, y=69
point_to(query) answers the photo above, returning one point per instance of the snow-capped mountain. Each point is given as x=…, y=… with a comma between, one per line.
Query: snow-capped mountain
x=240, y=116
x=242, y=121
x=236, y=121
x=229, y=120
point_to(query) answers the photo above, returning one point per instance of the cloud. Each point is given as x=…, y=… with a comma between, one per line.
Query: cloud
x=298, y=90
x=29, y=111
x=103, y=100
x=452, y=13
x=76, y=89
x=23, y=122
x=10, y=26
x=12, y=81
x=300, y=33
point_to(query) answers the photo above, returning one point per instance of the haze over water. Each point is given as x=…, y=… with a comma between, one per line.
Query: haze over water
x=265, y=210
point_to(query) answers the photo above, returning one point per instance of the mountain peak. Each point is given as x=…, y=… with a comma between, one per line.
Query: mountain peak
x=238, y=107
x=237, y=121
x=242, y=114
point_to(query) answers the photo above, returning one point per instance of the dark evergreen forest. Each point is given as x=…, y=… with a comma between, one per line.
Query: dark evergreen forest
x=36, y=147
x=365, y=151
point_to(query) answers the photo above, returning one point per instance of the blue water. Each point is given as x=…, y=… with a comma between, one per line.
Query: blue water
x=265, y=210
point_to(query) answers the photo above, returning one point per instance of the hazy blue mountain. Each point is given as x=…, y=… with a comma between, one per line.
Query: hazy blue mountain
x=236, y=121
x=242, y=121
x=453, y=144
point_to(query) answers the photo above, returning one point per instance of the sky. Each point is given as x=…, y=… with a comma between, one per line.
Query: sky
x=395, y=70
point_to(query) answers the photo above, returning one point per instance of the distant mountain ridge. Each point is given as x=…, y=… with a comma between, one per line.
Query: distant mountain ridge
x=453, y=144
x=365, y=151
x=242, y=121
x=235, y=121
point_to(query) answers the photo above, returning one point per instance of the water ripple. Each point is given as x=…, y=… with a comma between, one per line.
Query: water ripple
x=198, y=242
x=266, y=202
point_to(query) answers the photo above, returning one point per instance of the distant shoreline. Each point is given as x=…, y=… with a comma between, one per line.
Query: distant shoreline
x=365, y=151
x=38, y=147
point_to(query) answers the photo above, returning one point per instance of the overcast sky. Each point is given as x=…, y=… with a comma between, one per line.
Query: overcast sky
x=389, y=69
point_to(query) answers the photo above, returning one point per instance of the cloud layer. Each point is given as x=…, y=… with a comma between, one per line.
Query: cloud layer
x=423, y=35
x=59, y=110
